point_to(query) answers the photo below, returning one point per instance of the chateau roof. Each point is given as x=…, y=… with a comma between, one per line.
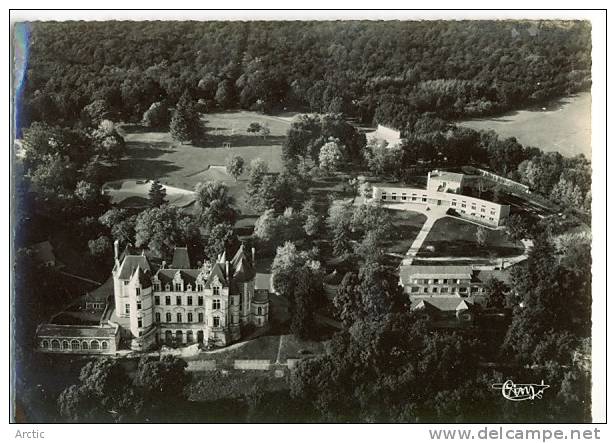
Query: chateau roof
x=102, y=292
x=422, y=271
x=129, y=266
x=180, y=259
x=143, y=277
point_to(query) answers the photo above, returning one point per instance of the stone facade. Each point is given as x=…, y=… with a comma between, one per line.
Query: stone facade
x=210, y=304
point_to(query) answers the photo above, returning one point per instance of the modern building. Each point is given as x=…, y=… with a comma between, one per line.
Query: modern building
x=177, y=305
x=444, y=189
x=451, y=295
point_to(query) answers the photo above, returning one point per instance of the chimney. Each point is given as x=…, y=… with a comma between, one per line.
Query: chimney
x=116, y=249
x=227, y=268
x=253, y=255
x=163, y=265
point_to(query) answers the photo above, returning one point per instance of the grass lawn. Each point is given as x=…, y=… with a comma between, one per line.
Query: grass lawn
x=213, y=385
x=407, y=225
x=291, y=347
x=264, y=347
x=155, y=155
x=451, y=237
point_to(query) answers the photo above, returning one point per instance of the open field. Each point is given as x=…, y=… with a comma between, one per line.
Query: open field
x=451, y=237
x=155, y=155
x=563, y=125
x=407, y=225
x=135, y=193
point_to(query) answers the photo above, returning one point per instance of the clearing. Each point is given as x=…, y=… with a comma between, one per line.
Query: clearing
x=452, y=237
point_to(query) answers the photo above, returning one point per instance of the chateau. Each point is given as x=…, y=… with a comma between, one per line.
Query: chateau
x=176, y=305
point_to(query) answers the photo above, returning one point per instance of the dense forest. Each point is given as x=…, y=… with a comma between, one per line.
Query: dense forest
x=390, y=72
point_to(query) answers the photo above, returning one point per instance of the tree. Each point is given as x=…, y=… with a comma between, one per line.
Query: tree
x=185, y=124
x=108, y=143
x=496, y=291
x=157, y=194
x=121, y=223
x=305, y=294
x=264, y=131
x=100, y=248
x=330, y=156
x=218, y=238
x=157, y=115
x=339, y=221
x=481, y=235
x=215, y=204
x=161, y=229
x=163, y=380
x=254, y=127
x=235, y=166
x=96, y=112
x=286, y=263
x=518, y=227
x=104, y=394
x=313, y=221
x=225, y=94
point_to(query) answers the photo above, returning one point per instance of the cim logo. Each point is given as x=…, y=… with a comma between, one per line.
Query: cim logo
x=520, y=392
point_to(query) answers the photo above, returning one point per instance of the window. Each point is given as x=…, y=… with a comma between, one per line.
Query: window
x=178, y=300
x=491, y=218
x=178, y=317
x=190, y=317
x=445, y=281
x=45, y=344
x=200, y=317
x=259, y=311
x=157, y=316
x=167, y=287
x=125, y=282
x=435, y=290
x=415, y=289
x=216, y=290
x=216, y=304
x=200, y=300
x=84, y=345
x=199, y=288
x=65, y=344
x=189, y=287
x=157, y=300
x=483, y=209
x=94, y=345
x=403, y=196
x=157, y=287
x=463, y=205
x=216, y=322
x=127, y=309
x=75, y=345
x=453, y=203
x=393, y=196
x=137, y=291
x=178, y=286
x=425, y=290
x=139, y=323
x=189, y=300
x=55, y=344
x=383, y=197
x=189, y=336
x=462, y=289
x=444, y=290
x=138, y=305
x=474, y=289
x=168, y=317
x=436, y=281
x=424, y=199
x=167, y=300
x=104, y=345
x=259, y=321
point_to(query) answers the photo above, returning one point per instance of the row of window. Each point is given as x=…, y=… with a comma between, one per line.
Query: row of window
x=189, y=317
x=437, y=281
x=75, y=345
x=445, y=290
x=177, y=287
x=216, y=303
x=404, y=197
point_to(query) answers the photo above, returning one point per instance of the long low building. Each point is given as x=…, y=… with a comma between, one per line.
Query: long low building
x=476, y=209
x=444, y=189
x=78, y=339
